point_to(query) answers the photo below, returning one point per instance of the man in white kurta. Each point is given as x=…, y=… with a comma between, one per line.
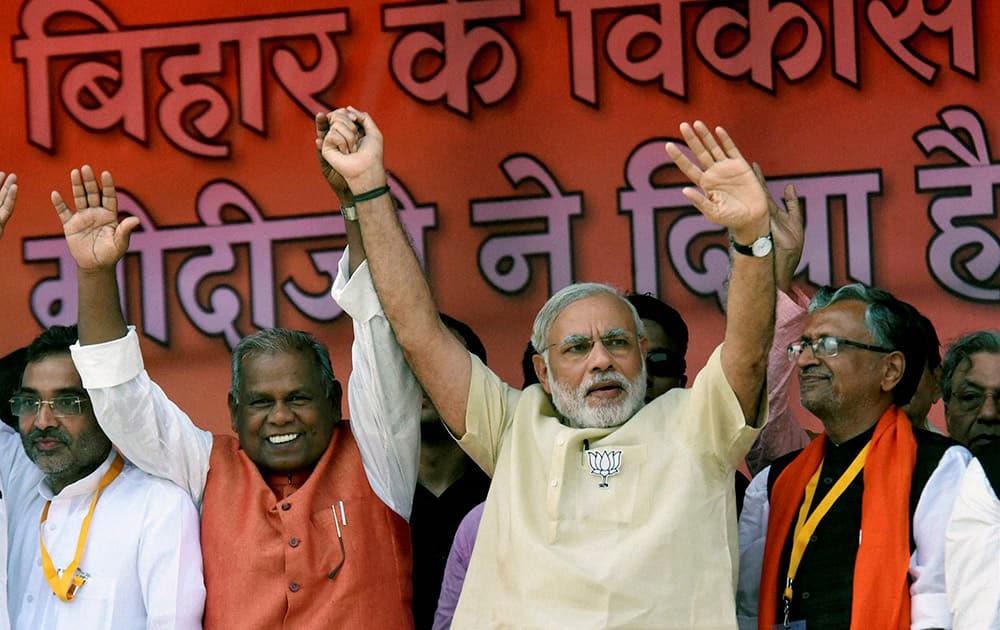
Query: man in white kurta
x=142, y=552
x=141, y=556
x=972, y=549
x=8, y=194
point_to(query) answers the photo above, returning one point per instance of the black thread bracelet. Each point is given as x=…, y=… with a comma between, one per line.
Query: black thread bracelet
x=371, y=194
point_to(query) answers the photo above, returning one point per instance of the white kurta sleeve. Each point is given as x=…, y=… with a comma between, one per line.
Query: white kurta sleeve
x=972, y=553
x=149, y=429
x=382, y=393
x=753, y=535
x=169, y=562
x=928, y=597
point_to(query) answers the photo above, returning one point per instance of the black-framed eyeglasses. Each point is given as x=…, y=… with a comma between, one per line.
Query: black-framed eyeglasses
x=825, y=347
x=61, y=406
x=663, y=364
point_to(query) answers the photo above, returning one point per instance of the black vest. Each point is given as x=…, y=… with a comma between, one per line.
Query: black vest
x=989, y=458
x=823, y=586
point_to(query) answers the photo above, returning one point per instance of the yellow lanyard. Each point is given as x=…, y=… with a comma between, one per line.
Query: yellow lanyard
x=807, y=523
x=65, y=586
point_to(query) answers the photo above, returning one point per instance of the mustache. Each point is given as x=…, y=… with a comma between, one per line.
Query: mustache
x=813, y=370
x=51, y=433
x=608, y=376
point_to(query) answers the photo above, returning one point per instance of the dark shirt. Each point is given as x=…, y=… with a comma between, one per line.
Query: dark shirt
x=433, y=524
x=823, y=588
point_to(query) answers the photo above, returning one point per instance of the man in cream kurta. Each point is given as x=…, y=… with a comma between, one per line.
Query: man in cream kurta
x=603, y=556
x=602, y=514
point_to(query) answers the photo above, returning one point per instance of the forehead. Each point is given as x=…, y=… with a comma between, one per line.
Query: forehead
x=982, y=368
x=52, y=373
x=840, y=319
x=280, y=372
x=590, y=316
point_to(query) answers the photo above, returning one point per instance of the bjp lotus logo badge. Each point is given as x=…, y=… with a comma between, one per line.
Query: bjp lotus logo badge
x=605, y=464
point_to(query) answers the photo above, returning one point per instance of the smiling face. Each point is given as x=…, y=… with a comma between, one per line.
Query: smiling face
x=66, y=448
x=282, y=414
x=973, y=409
x=594, y=366
x=852, y=389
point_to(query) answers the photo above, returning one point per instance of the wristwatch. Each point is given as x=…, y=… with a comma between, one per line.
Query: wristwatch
x=758, y=249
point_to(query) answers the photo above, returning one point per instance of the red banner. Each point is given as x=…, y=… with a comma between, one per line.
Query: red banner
x=526, y=147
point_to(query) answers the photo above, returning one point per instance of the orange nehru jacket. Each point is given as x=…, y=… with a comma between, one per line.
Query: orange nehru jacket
x=267, y=560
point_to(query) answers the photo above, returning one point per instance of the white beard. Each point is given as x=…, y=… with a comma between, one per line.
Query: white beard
x=573, y=407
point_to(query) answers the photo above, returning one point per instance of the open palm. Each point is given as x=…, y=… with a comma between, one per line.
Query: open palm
x=732, y=196
x=96, y=239
x=8, y=195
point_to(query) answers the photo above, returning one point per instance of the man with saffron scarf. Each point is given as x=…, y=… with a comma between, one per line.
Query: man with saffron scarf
x=855, y=536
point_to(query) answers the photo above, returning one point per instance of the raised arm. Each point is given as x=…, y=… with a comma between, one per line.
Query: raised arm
x=438, y=358
x=132, y=410
x=382, y=393
x=782, y=433
x=97, y=241
x=8, y=195
x=732, y=196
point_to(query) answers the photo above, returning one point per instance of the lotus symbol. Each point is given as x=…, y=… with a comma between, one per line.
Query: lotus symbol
x=604, y=464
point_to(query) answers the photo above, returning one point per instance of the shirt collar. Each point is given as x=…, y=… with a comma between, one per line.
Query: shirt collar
x=87, y=485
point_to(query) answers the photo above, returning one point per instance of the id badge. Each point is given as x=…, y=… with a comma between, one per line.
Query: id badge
x=792, y=625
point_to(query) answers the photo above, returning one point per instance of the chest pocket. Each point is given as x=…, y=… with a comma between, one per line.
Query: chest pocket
x=93, y=606
x=602, y=487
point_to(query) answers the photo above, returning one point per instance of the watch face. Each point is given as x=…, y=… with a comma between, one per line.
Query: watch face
x=762, y=246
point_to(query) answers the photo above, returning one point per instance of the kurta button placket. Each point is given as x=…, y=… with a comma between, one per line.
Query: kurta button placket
x=294, y=587
x=286, y=506
x=294, y=542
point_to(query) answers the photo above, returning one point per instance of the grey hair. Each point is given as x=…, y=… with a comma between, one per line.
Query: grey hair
x=272, y=341
x=566, y=296
x=961, y=351
x=892, y=323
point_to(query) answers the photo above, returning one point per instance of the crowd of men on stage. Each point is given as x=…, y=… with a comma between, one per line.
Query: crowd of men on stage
x=607, y=491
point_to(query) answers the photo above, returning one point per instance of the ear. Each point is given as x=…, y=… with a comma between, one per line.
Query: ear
x=233, y=405
x=892, y=373
x=542, y=372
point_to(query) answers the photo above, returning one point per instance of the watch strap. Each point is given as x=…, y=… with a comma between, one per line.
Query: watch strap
x=748, y=250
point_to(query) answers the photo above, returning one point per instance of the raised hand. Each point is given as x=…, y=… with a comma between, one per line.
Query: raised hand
x=730, y=194
x=8, y=195
x=94, y=235
x=787, y=232
x=359, y=163
x=345, y=135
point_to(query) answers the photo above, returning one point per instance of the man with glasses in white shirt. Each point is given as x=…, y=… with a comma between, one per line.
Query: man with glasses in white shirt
x=95, y=542
x=970, y=385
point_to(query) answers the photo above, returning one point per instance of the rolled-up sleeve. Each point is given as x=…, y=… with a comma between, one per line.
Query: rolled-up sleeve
x=382, y=393
x=145, y=425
